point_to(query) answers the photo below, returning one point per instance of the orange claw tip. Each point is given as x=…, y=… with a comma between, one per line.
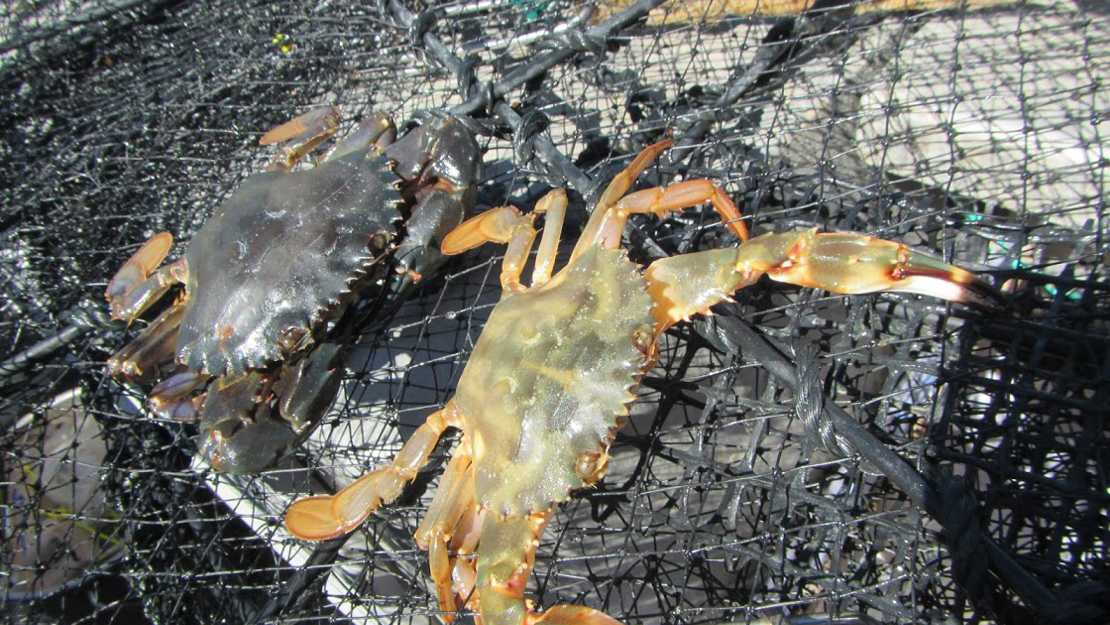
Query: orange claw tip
x=926, y=276
x=313, y=519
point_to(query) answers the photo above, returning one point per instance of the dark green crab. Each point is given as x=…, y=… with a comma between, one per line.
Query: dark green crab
x=248, y=347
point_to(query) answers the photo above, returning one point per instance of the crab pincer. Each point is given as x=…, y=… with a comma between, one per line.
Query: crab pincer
x=557, y=365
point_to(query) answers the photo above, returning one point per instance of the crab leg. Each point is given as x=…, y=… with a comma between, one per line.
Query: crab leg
x=304, y=133
x=453, y=499
x=324, y=517
x=155, y=345
x=613, y=208
x=555, y=205
x=506, y=554
x=841, y=263
x=376, y=130
x=133, y=288
x=503, y=224
x=170, y=399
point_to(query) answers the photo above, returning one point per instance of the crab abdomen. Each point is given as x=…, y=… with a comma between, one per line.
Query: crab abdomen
x=555, y=368
x=273, y=259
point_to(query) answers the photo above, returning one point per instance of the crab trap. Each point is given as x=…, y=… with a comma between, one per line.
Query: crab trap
x=795, y=456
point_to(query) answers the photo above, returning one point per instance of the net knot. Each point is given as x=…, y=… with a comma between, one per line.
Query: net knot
x=421, y=24
x=532, y=123
x=577, y=40
x=809, y=400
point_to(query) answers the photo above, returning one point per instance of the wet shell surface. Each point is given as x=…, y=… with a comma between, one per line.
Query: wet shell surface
x=565, y=356
x=277, y=255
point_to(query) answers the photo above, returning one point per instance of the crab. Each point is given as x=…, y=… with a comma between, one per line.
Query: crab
x=253, y=345
x=554, y=372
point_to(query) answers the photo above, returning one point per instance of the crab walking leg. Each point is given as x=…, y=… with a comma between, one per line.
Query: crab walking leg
x=139, y=282
x=842, y=263
x=612, y=210
x=620, y=185
x=155, y=345
x=376, y=130
x=506, y=554
x=324, y=517
x=676, y=197
x=453, y=499
x=170, y=398
x=554, y=204
x=516, y=254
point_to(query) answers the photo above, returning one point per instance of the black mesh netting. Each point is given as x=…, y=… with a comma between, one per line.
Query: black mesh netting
x=795, y=458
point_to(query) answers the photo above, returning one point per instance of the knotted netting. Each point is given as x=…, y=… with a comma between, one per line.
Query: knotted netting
x=797, y=457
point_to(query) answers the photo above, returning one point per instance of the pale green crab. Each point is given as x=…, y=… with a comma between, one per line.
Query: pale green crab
x=552, y=376
x=249, y=346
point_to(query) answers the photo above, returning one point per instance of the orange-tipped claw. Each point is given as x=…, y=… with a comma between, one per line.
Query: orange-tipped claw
x=928, y=276
x=855, y=263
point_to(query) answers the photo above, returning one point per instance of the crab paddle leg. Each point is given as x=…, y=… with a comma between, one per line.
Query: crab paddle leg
x=324, y=517
x=503, y=224
x=303, y=133
x=139, y=282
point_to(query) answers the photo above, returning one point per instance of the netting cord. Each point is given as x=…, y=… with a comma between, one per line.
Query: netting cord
x=524, y=130
x=571, y=42
x=974, y=554
x=97, y=13
x=319, y=563
x=81, y=318
x=809, y=400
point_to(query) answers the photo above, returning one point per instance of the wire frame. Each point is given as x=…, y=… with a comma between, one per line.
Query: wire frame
x=796, y=457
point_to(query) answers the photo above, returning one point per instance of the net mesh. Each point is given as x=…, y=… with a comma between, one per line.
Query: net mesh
x=797, y=456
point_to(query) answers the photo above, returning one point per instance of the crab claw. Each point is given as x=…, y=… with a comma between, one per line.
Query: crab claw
x=855, y=263
x=250, y=422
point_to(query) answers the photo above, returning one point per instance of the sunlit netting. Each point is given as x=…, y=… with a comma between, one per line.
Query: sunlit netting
x=798, y=455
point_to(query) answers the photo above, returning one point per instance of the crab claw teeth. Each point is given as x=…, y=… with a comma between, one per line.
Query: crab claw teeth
x=854, y=263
